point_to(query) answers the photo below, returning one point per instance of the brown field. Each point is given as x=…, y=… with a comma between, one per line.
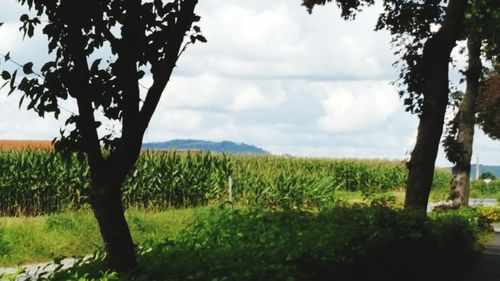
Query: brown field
x=20, y=144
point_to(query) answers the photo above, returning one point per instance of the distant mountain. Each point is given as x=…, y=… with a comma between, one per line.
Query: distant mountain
x=495, y=170
x=224, y=146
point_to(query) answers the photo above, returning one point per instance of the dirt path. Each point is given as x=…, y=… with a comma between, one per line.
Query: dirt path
x=487, y=267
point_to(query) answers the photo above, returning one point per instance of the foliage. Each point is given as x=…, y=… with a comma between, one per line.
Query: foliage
x=486, y=189
x=488, y=104
x=35, y=182
x=410, y=24
x=491, y=214
x=149, y=42
x=143, y=38
x=487, y=175
x=359, y=243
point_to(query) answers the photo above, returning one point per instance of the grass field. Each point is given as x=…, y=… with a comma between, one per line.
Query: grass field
x=292, y=218
x=345, y=243
x=41, y=239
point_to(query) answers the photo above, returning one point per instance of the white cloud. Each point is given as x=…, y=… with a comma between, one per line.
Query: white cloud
x=18, y=123
x=8, y=31
x=364, y=106
x=270, y=75
x=252, y=99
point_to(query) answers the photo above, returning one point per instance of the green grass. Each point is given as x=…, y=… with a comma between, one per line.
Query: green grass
x=74, y=233
x=353, y=243
x=399, y=196
x=40, y=239
x=350, y=243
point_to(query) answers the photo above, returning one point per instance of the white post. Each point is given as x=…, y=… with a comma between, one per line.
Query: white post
x=230, y=188
x=487, y=181
x=477, y=167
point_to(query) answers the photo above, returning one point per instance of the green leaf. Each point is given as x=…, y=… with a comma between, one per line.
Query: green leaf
x=28, y=68
x=11, y=91
x=7, y=56
x=31, y=30
x=95, y=65
x=13, y=80
x=201, y=38
x=24, y=17
x=5, y=75
x=140, y=74
x=21, y=101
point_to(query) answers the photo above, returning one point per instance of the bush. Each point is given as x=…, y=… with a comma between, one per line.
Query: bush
x=491, y=214
x=358, y=243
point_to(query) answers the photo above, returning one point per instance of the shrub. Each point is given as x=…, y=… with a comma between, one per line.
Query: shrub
x=358, y=243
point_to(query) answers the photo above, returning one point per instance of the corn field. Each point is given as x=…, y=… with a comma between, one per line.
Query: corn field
x=36, y=182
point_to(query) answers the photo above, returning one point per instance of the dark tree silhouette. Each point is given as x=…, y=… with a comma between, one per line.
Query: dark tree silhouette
x=425, y=56
x=141, y=37
x=483, y=24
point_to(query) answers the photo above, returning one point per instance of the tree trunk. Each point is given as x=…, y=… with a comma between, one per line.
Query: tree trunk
x=108, y=210
x=465, y=120
x=434, y=68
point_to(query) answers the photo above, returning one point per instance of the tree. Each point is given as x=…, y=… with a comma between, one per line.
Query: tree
x=432, y=69
x=140, y=36
x=483, y=23
x=487, y=175
x=425, y=56
x=460, y=135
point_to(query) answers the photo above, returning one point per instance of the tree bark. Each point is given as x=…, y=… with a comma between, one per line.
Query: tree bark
x=107, y=176
x=434, y=68
x=105, y=199
x=465, y=120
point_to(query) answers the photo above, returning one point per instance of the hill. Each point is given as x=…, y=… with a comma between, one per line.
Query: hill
x=495, y=170
x=220, y=147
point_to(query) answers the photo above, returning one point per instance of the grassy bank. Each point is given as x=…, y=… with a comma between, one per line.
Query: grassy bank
x=74, y=233
x=345, y=243
x=40, y=239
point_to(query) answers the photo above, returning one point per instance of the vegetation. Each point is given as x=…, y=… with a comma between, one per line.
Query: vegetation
x=489, y=101
x=304, y=233
x=424, y=62
x=482, y=21
x=354, y=243
x=485, y=189
x=487, y=175
x=99, y=52
x=34, y=182
x=25, y=240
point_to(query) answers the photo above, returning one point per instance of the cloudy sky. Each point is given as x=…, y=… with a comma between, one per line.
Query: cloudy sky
x=270, y=75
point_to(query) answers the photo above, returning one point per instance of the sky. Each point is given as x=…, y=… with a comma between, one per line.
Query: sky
x=270, y=75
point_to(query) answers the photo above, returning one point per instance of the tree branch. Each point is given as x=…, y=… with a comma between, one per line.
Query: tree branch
x=162, y=71
x=81, y=89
